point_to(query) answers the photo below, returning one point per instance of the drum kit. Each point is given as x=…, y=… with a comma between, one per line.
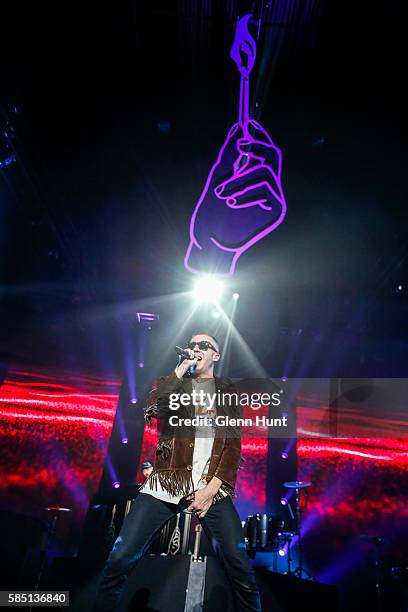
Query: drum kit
x=271, y=533
x=54, y=512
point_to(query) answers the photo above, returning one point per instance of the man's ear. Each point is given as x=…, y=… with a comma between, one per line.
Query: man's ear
x=216, y=357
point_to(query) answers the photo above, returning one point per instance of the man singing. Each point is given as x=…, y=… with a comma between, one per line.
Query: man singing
x=195, y=468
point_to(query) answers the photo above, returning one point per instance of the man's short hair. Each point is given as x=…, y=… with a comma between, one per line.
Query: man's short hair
x=213, y=338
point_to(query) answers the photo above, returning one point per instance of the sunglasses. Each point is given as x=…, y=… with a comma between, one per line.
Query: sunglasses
x=203, y=345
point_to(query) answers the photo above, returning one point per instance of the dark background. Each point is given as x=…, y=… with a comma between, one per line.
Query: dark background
x=117, y=113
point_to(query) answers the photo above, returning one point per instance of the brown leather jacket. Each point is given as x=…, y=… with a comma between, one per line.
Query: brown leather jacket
x=174, y=452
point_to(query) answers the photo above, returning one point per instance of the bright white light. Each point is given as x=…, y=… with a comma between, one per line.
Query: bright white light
x=207, y=289
x=235, y=296
x=216, y=314
x=281, y=552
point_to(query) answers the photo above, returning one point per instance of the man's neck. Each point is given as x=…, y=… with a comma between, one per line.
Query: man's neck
x=204, y=375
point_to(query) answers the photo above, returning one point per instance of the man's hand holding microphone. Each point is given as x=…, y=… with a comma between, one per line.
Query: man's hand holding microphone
x=185, y=363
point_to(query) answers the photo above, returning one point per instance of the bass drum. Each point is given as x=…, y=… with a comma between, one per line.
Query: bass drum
x=263, y=532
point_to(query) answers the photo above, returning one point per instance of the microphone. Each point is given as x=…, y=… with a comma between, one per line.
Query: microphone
x=182, y=352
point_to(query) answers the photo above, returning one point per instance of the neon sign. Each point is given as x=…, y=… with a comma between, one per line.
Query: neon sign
x=242, y=200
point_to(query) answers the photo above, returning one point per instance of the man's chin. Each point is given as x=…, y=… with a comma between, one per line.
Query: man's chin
x=200, y=366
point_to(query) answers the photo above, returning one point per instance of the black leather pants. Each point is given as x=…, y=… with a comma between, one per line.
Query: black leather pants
x=222, y=526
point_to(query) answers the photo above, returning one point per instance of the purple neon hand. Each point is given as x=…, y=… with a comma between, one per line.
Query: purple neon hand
x=242, y=201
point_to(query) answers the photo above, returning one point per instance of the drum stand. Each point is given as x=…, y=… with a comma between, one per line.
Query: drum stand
x=299, y=571
x=55, y=512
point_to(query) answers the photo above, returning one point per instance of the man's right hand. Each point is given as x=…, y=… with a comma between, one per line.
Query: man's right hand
x=182, y=368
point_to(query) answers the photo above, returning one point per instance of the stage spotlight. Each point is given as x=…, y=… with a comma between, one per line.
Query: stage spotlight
x=282, y=552
x=216, y=314
x=207, y=289
x=116, y=484
x=141, y=364
x=133, y=400
x=125, y=440
x=284, y=455
x=7, y=161
x=146, y=318
x=399, y=287
x=284, y=501
x=235, y=296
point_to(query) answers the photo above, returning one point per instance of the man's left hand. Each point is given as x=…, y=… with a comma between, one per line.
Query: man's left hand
x=203, y=498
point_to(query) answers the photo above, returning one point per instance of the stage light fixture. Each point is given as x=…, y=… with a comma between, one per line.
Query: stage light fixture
x=147, y=318
x=207, y=289
x=284, y=501
x=399, y=287
x=116, y=484
x=125, y=440
x=235, y=296
x=141, y=364
x=133, y=400
x=7, y=161
x=216, y=314
x=284, y=455
x=281, y=552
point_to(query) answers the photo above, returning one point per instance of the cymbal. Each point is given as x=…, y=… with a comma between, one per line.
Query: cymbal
x=297, y=484
x=56, y=509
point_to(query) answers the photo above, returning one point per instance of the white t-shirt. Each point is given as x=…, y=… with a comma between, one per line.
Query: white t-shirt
x=203, y=444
